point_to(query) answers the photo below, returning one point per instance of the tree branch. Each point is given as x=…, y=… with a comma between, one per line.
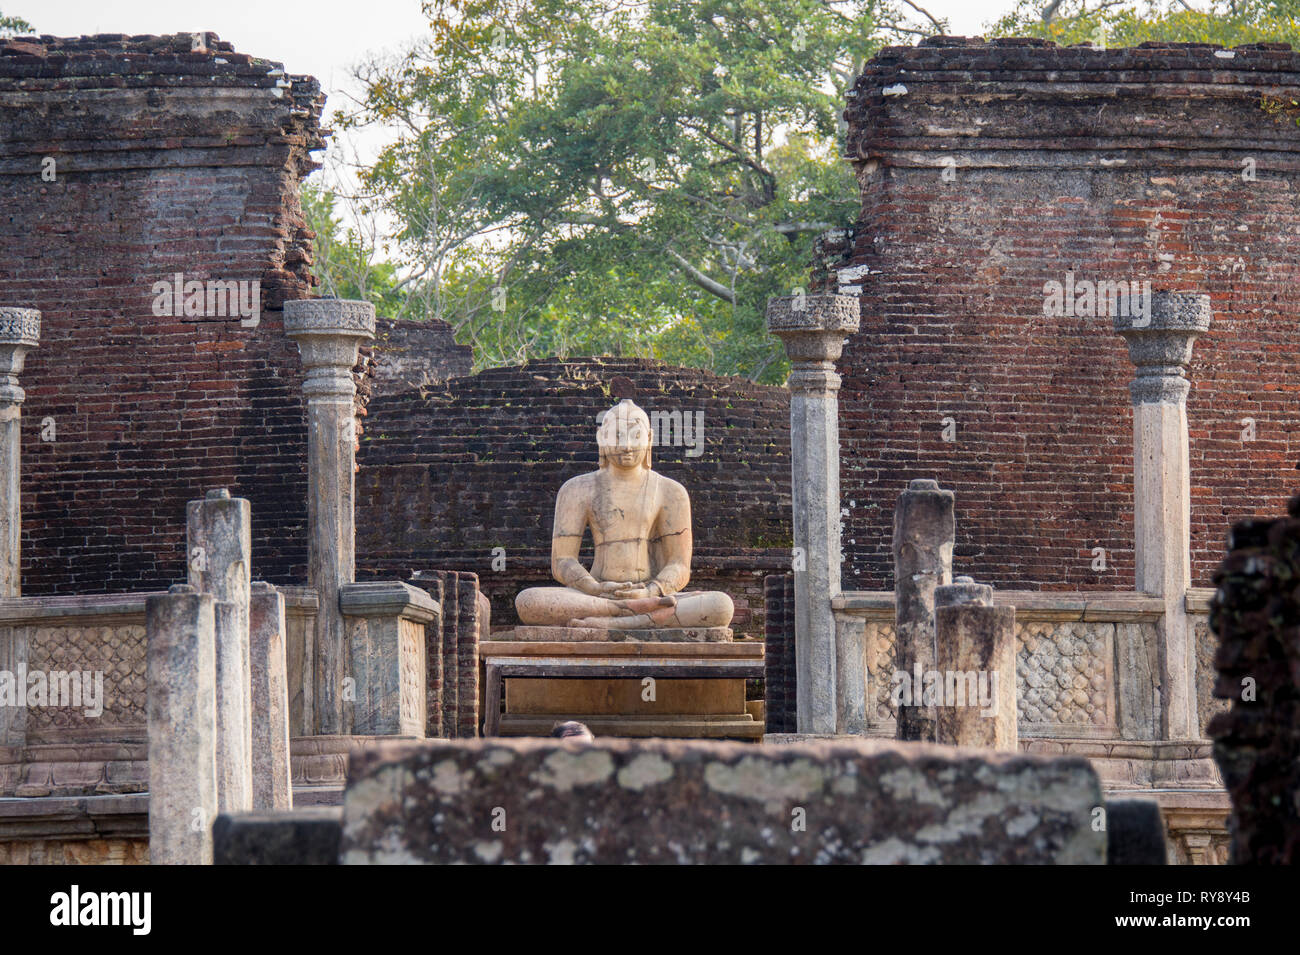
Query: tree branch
x=702, y=280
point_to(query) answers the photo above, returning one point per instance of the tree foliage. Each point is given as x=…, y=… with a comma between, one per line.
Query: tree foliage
x=1118, y=23
x=10, y=25
x=635, y=178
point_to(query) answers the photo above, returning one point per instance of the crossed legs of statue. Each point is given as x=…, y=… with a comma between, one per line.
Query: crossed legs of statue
x=564, y=607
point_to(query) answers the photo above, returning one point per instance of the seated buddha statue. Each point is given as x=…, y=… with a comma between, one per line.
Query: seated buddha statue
x=640, y=524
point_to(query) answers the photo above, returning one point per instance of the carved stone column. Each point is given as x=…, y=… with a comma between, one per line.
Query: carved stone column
x=813, y=329
x=20, y=331
x=328, y=332
x=1160, y=345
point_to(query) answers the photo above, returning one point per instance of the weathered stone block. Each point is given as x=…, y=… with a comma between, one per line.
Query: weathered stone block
x=299, y=837
x=659, y=801
x=387, y=623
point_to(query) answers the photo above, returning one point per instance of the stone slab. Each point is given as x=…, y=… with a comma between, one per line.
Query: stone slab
x=596, y=635
x=293, y=837
x=543, y=801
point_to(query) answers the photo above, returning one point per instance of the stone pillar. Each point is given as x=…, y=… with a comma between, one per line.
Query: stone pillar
x=1160, y=345
x=328, y=332
x=813, y=329
x=181, y=663
x=924, y=530
x=272, y=787
x=220, y=543
x=20, y=332
x=975, y=657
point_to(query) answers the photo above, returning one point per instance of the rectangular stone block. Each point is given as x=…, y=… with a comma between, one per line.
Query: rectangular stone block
x=628, y=697
x=300, y=837
x=543, y=801
x=386, y=624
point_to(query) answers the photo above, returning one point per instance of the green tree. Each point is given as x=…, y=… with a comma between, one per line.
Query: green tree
x=345, y=262
x=599, y=176
x=14, y=25
x=1225, y=22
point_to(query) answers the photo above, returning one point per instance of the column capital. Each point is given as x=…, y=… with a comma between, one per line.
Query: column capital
x=1160, y=343
x=20, y=331
x=813, y=327
x=328, y=331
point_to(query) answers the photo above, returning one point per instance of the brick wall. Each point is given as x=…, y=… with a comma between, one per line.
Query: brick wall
x=448, y=476
x=991, y=169
x=409, y=355
x=171, y=154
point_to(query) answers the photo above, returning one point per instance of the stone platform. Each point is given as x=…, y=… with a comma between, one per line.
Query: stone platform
x=627, y=688
x=599, y=635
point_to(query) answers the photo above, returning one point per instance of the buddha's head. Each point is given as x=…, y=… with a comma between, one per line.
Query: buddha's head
x=624, y=437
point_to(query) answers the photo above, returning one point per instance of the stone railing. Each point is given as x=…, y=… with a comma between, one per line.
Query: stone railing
x=1085, y=662
x=86, y=635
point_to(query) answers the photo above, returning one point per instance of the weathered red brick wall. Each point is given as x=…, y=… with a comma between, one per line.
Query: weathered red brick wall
x=410, y=355
x=448, y=476
x=988, y=170
x=171, y=154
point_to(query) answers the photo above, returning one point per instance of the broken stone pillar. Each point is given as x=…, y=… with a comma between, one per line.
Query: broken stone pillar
x=272, y=788
x=387, y=623
x=813, y=329
x=924, y=531
x=328, y=332
x=20, y=332
x=975, y=660
x=181, y=666
x=220, y=545
x=1160, y=345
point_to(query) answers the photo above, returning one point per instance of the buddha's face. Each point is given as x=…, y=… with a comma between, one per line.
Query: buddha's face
x=624, y=437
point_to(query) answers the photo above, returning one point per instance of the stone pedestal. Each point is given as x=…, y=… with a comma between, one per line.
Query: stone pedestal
x=924, y=531
x=1160, y=345
x=975, y=658
x=20, y=332
x=220, y=546
x=182, y=726
x=619, y=687
x=386, y=624
x=813, y=329
x=272, y=786
x=328, y=332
